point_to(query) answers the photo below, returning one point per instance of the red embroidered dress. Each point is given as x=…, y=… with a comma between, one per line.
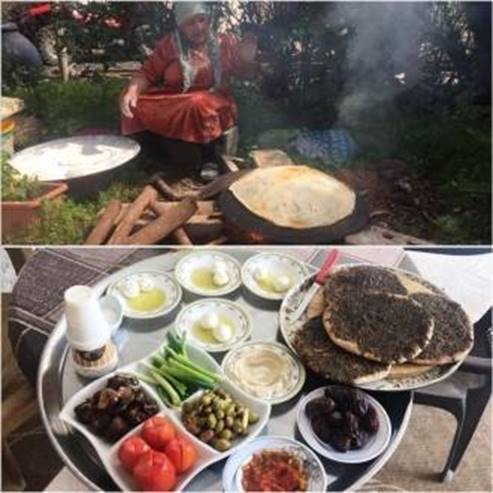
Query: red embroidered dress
x=199, y=115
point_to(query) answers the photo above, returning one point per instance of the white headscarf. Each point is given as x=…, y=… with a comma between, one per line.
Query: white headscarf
x=184, y=11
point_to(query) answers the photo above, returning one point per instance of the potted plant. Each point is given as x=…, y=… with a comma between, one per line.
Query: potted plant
x=22, y=197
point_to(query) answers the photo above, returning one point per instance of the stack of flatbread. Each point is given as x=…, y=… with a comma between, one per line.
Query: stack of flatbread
x=371, y=323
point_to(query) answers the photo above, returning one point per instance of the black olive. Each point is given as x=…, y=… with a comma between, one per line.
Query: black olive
x=108, y=400
x=100, y=423
x=351, y=422
x=84, y=412
x=359, y=439
x=150, y=407
x=370, y=420
x=335, y=419
x=117, y=429
x=121, y=380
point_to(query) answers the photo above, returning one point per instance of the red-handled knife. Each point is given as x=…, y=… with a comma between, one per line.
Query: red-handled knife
x=320, y=278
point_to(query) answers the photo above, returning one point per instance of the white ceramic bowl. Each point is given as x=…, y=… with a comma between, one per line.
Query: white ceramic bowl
x=205, y=261
x=165, y=282
x=238, y=315
x=375, y=446
x=275, y=265
x=233, y=470
x=298, y=373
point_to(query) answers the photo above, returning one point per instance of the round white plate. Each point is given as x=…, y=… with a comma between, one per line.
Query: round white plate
x=74, y=157
x=193, y=313
x=298, y=371
x=275, y=265
x=375, y=446
x=290, y=326
x=165, y=282
x=232, y=473
x=206, y=260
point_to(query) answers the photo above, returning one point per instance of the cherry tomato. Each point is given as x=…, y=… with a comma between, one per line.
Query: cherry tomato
x=182, y=454
x=157, y=432
x=131, y=450
x=155, y=472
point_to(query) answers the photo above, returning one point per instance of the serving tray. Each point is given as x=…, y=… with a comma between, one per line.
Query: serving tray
x=58, y=383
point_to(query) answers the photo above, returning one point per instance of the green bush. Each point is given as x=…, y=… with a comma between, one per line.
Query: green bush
x=15, y=186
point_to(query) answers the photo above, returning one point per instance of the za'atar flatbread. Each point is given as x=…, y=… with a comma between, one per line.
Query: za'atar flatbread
x=323, y=357
x=453, y=335
x=297, y=197
x=382, y=327
x=346, y=281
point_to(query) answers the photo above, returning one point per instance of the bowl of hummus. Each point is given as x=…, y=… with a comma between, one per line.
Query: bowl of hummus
x=268, y=371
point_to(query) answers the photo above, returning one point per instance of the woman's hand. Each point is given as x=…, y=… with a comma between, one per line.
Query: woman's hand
x=129, y=102
x=248, y=48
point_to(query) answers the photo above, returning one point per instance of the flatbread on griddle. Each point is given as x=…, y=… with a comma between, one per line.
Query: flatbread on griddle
x=322, y=356
x=317, y=305
x=453, y=335
x=407, y=370
x=347, y=281
x=382, y=327
x=297, y=197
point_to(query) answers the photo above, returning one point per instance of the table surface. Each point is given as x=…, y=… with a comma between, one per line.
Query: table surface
x=58, y=381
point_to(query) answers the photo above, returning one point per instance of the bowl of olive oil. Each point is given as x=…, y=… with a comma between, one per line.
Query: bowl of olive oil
x=146, y=295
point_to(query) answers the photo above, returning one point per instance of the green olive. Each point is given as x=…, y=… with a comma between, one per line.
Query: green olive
x=219, y=426
x=230, y=410
x=206, y=400
x=211, y=421
x=226, y=434
x=238, y=427
x=220, y=414
x=221, y=444
x=228, y=421
x=207, y=410
x=252, y=418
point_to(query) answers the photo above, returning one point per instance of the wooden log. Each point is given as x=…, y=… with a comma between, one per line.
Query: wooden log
x=181, y=237
x=158, y=182
x=105, y=224
x=164, y=224
x=133, y=213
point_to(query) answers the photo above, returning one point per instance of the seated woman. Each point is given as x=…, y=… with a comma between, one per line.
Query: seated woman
x=182, y=92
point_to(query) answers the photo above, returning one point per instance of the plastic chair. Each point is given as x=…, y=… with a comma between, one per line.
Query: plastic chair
x=465, y=394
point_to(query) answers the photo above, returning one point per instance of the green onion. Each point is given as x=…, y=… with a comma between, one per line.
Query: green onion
x=167, y=387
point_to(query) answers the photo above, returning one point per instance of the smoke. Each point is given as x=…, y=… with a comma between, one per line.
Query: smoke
x=382, y=55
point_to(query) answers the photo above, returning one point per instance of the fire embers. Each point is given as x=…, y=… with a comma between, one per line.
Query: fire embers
x=343, y=418
x=116, y=409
